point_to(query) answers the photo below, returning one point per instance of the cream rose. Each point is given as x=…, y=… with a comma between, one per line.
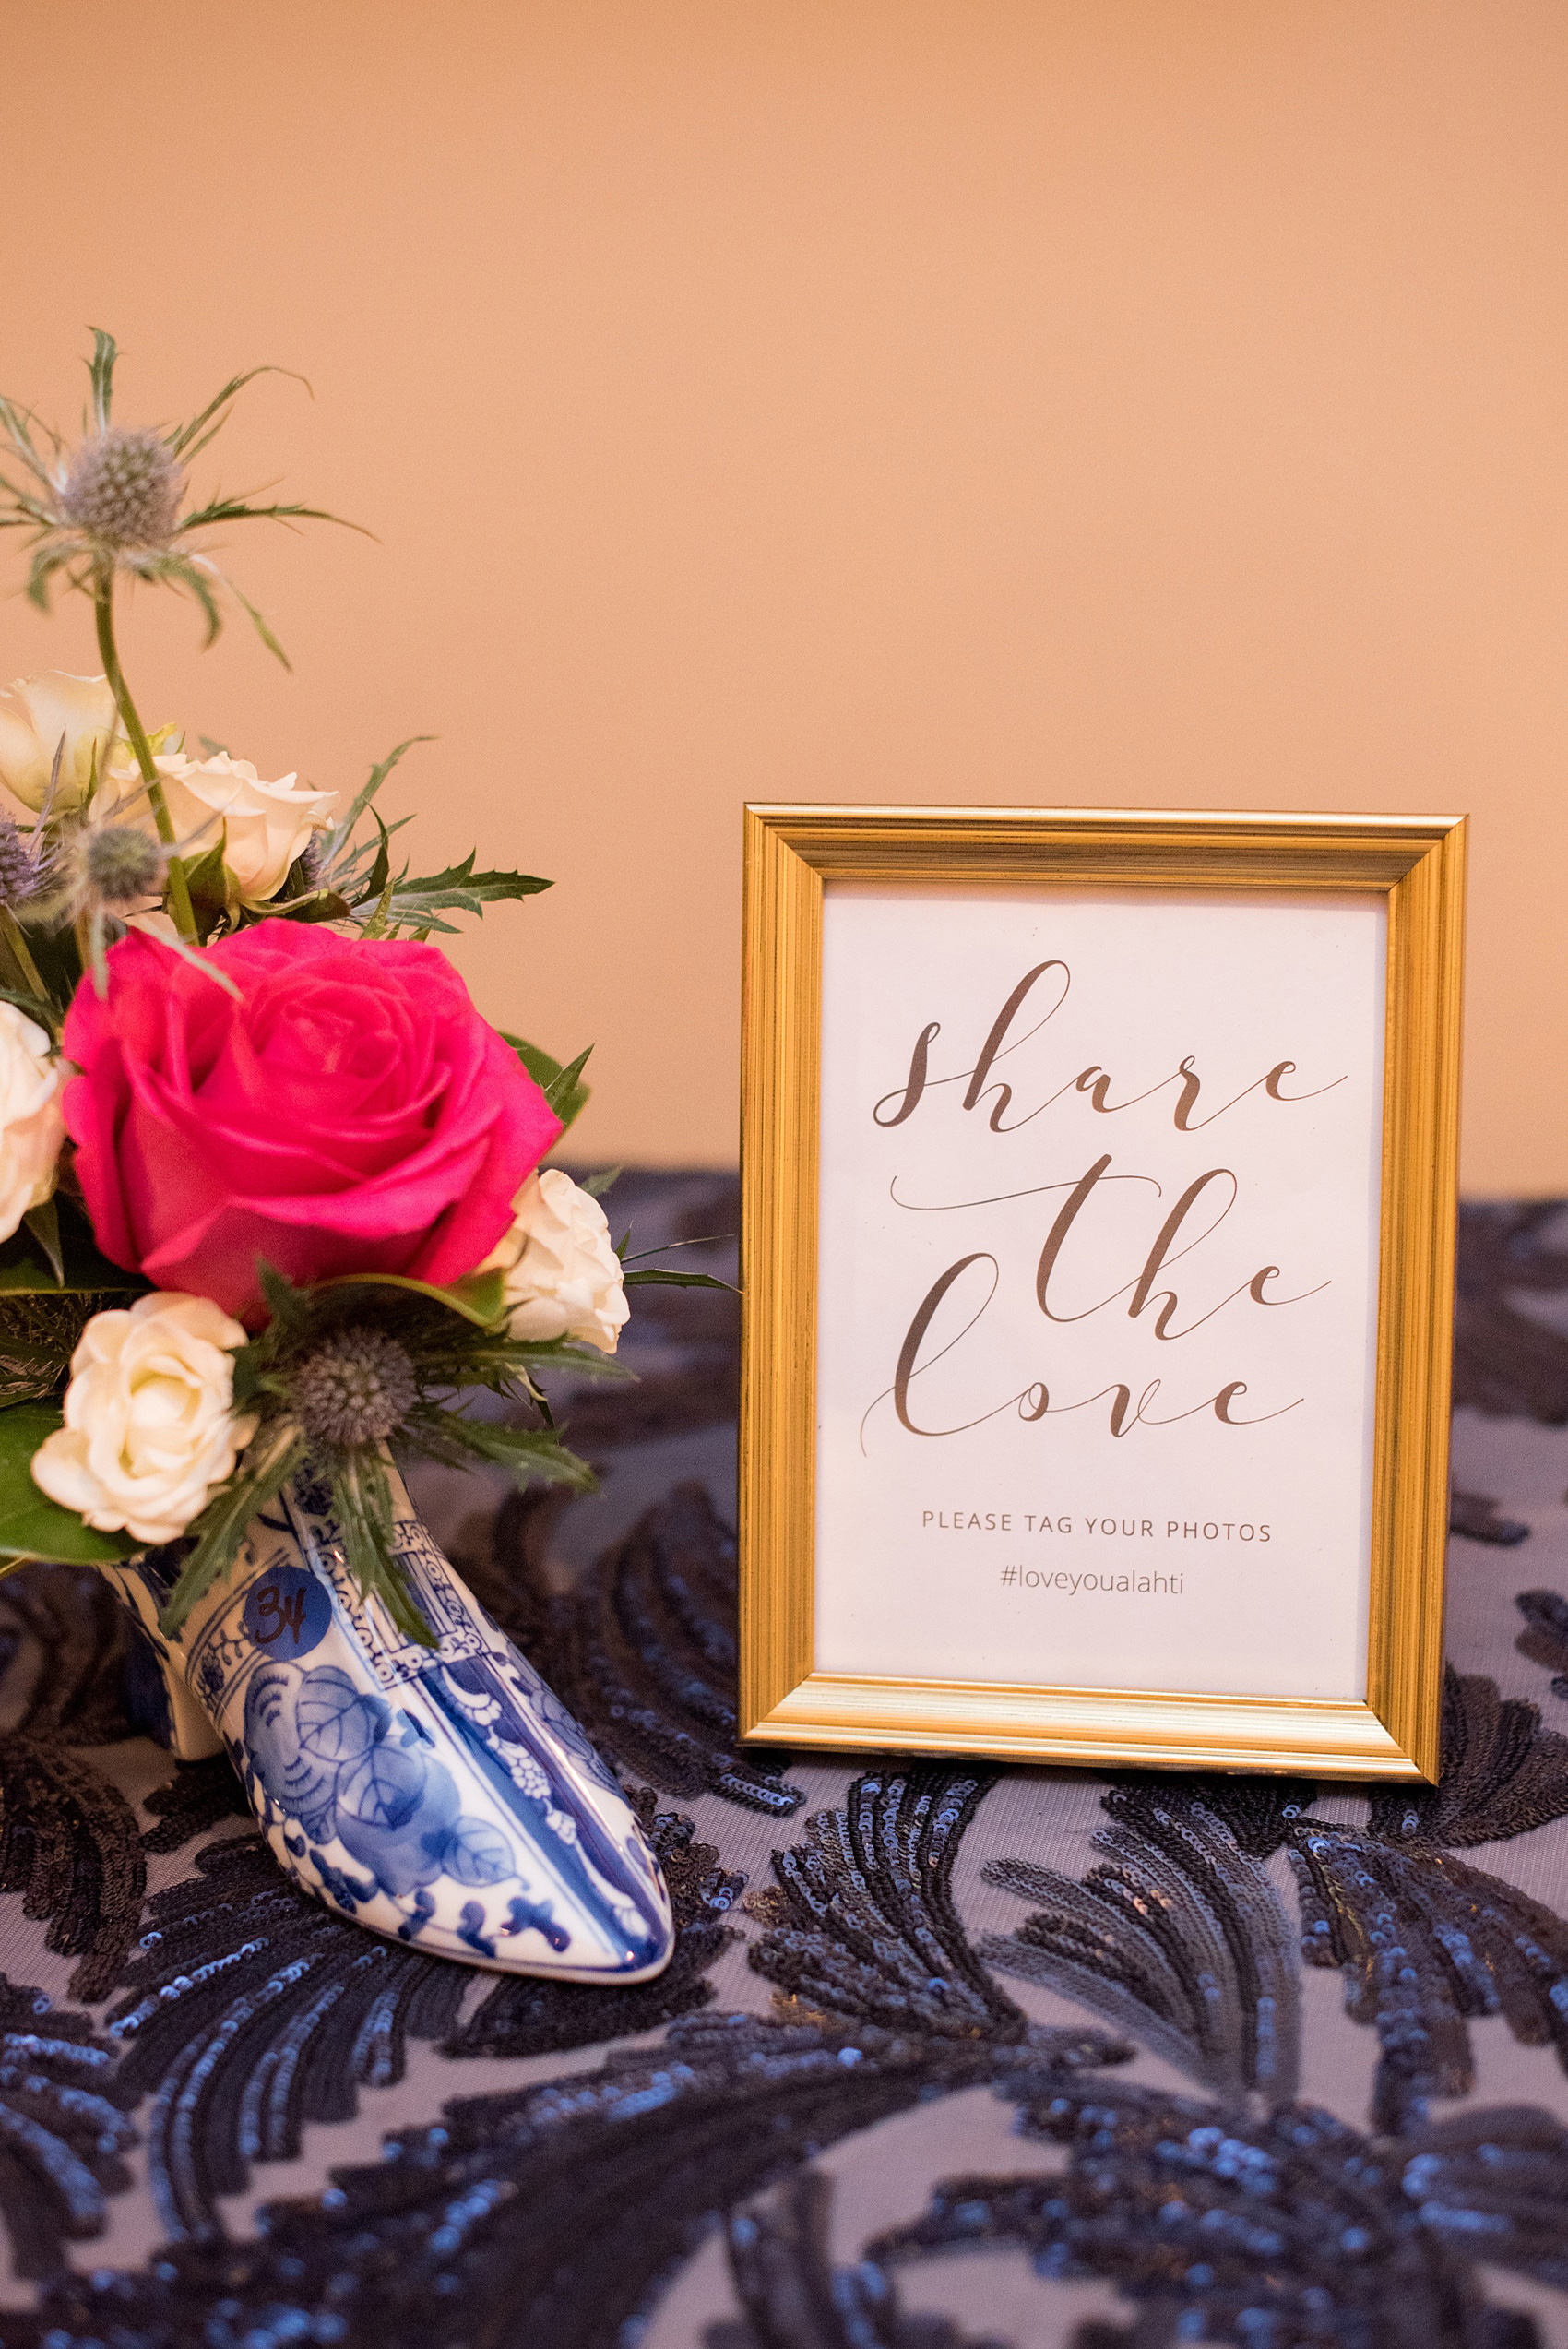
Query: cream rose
x=32, y=1125
x=264, y=826
x=37, y=714
x=149, y=1422
x=563, y=1277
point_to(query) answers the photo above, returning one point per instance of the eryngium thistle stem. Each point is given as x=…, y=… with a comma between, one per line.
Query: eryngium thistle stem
x=136, y=734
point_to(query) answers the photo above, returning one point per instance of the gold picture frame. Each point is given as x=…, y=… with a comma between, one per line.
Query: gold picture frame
x=1417, y=864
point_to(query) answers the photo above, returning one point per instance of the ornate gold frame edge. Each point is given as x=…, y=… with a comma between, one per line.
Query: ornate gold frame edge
x=1417, y=863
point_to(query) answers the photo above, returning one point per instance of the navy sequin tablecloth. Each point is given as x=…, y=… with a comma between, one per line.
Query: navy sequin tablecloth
x=947, y=2058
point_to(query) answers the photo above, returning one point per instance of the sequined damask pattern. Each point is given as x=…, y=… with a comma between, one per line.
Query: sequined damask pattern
x=946, y=2058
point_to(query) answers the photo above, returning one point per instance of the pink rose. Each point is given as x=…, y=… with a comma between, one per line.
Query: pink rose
x=352, y=1113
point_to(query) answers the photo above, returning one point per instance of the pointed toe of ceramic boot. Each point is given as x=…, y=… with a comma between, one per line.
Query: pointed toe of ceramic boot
x=445, y=1797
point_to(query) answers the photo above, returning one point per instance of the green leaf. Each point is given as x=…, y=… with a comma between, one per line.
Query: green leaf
x=264, y=1468
x=381, y=870
x=31, y=1525
x=480, y=1297
x=258, y=621
x=184, y=441
x=289, y=1306
x=18, y=960
x=704, y=1240
x=566, y=1353
x=548, y=1353
x=378, y=885
x=338, y=837
x=348, y=868
x=561, y=1089
x=18, y=423
x=20, y=966
x=45, y=563
x=677, y=1281
x=236, y=509
x=249, y=1363
x=46, y=1015
x=421, y=925
x=101, y=371
x=209, y=886
x=597, y=1185
x=57, y=959
x=363, y=1498
x=323, y=905
x=541, y=1066
x=25, y=1267
x=546, y=1071
x=461, y=889
x=489, y=1358
x=189, y=575
x=529, y=1453
x=44, y=1222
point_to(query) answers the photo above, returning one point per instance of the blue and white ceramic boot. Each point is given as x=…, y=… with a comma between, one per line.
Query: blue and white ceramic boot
x=445, y=1796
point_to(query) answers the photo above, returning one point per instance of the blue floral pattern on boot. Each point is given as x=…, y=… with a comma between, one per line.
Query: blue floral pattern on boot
x=444, y=1796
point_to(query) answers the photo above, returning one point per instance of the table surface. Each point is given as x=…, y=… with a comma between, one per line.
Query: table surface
x=947, y=2058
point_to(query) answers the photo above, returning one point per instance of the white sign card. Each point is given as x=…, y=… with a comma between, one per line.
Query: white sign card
x=1097, y=1286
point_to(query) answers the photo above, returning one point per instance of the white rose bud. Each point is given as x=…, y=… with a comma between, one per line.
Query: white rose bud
x=150, y=1424
x=37, y=715
x=32, y=1125
x=563, y=1276
x=264, y=826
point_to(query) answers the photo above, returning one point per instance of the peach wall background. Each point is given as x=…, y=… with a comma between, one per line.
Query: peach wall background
x=1121, y=401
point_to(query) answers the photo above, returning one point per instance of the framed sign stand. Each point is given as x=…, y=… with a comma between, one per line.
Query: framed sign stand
x=879, y=885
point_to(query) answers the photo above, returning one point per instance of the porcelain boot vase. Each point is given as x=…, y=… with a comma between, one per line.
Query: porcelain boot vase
x=444, y=1796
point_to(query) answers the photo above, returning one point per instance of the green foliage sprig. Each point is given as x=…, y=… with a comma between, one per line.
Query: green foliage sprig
x=348, y=878
x=451, y=1340
x=397, y=1352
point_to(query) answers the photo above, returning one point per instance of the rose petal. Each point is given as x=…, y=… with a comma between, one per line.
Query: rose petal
x=351, y=1113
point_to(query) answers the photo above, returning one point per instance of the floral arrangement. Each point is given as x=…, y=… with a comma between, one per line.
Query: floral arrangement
x=272, y=1190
